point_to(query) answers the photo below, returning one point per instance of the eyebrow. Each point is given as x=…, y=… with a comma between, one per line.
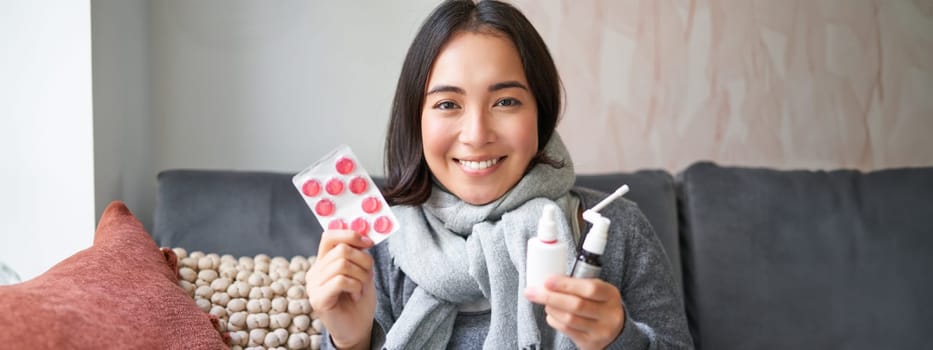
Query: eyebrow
x=446, y=88
x=506, y=85
x=492, y=88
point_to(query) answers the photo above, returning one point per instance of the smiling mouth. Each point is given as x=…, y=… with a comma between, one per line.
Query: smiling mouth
x=479, y=165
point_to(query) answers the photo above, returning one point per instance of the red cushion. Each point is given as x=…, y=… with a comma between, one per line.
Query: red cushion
x=121, y=293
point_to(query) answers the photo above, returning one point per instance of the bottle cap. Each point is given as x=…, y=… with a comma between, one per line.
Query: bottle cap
x=547, y=228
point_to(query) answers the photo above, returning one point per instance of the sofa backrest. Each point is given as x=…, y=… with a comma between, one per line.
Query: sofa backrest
x=230, y=212
x=807, y=260
x=655, y=193
x=247, y=213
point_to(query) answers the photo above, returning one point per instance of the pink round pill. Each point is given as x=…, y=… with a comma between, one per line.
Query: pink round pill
x=337, y=224
x=311, y=188
x=360, y=225
x=334, y=186
x=324, y=207
x=345, y=165
x=371, y=205
x=358, y=185
x=382, y=224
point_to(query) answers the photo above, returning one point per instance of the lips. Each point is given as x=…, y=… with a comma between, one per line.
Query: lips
x=479, y=164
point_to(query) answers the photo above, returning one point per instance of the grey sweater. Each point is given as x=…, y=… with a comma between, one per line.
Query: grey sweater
x=634, y=261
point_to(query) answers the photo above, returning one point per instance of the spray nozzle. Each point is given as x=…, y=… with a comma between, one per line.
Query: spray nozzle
x=595, y=241
x=592, y=215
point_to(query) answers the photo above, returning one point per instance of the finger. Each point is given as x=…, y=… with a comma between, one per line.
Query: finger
x=345, y=267
x=342, y=260
x=587, y=288
x=338, y=257
x=581, y=307
x=327, y=296
x=573, y=333
x=572, y=320
x=597, y=334
x=346, y=252
x=329, y=293
x=332, y=238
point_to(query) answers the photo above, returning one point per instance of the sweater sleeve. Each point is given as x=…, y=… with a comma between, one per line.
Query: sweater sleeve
x=377, y=339
x=654, y=311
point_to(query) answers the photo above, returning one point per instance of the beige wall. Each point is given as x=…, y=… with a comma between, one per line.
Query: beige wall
x=787, y=84
x=239, y=85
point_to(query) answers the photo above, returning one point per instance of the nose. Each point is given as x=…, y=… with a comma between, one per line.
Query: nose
x=476, y=128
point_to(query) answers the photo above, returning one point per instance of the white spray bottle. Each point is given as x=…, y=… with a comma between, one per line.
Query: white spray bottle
x=588, y=264
x=547, y=255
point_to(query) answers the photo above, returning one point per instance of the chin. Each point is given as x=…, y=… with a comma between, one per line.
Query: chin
x=475, y=198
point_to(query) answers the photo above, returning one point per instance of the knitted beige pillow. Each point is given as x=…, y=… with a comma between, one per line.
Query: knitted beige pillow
x=260, y=301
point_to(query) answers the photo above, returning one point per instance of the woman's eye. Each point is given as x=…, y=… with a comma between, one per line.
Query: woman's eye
x=446, y=105
x=508, y=102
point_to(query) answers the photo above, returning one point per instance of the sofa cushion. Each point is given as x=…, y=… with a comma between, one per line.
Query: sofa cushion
x=121, y=293
x=807, y=259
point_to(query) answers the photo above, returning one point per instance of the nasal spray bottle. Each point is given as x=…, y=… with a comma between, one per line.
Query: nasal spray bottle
x=588, y=264
x=546, y=254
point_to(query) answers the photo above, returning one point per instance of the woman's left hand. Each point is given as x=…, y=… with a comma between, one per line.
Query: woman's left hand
x=588, y=310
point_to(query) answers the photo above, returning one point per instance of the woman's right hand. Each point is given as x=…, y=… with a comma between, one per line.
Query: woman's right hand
x=341, y=289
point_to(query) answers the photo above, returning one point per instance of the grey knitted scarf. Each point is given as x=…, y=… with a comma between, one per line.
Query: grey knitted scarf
x=459, y=253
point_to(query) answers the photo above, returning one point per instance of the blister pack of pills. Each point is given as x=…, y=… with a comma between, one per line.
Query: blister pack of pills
x=342, y=195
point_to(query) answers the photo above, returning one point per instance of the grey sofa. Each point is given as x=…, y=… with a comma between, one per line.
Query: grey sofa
x=765, y=259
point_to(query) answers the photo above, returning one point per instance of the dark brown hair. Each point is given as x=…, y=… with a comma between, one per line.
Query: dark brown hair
x=408, y=178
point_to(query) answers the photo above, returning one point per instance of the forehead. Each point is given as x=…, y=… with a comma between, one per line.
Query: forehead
x=481, y=58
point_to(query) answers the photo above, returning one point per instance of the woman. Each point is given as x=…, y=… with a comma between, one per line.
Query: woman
x=471, y=159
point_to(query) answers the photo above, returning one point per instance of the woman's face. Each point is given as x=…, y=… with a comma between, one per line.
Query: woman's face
x=479, y=118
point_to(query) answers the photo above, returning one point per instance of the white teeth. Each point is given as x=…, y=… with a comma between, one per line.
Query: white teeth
x=479, y=165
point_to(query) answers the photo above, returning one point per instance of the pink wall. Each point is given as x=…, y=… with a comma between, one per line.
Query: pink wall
x=787, y=84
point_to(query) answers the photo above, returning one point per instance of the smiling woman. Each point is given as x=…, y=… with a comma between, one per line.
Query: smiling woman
x=493, y=62
x=478, y=120
x=472, y=159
